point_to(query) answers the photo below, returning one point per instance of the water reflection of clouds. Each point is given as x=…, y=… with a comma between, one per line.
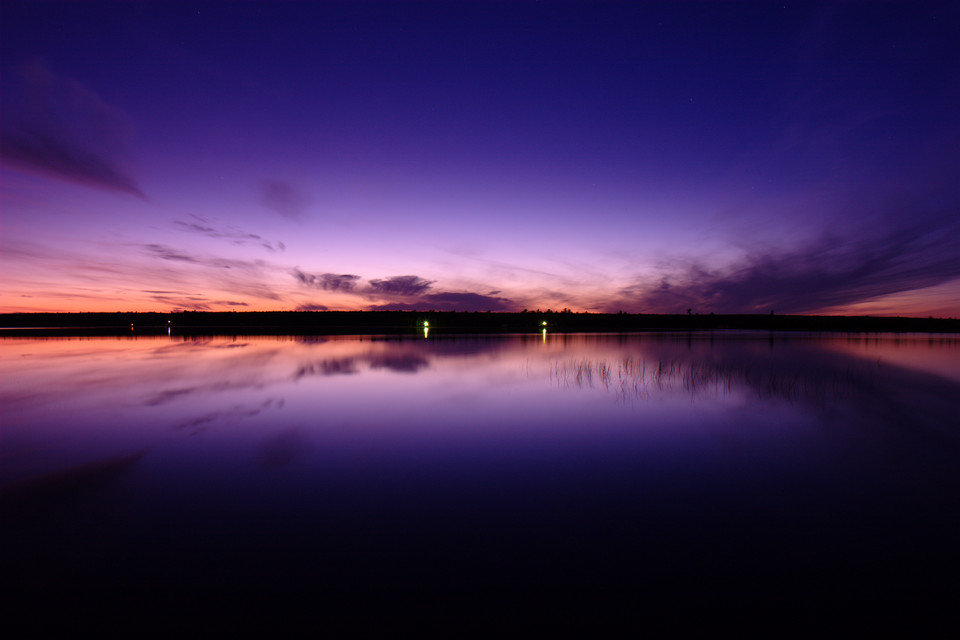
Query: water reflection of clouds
x=58, y=490
x=230, y=414
x=934, y=353
x=401, y=363
x=785, y=452
x=331, y=367
x=190, y=385
x=280, y=449
x=398, y=362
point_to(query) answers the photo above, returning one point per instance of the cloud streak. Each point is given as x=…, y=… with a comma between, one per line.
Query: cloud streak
x=196, y=303
x=202, y=226
x=63, y=129
x=828, y=274
x=400, y=286
x=284, y=199
x=327, y=281
x=408, y=293
x=237, y=277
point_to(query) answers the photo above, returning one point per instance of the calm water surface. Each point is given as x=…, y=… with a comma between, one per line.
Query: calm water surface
x=635, y=473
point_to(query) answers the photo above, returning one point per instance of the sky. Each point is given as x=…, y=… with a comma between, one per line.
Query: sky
x=648, y=157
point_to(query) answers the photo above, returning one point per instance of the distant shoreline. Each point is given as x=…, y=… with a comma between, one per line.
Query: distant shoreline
x=441, y=322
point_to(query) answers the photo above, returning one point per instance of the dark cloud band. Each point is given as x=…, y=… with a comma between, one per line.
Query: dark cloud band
x=63, y=129
x=828, y=274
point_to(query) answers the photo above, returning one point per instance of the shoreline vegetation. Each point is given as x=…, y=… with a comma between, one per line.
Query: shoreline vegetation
x=442, y=322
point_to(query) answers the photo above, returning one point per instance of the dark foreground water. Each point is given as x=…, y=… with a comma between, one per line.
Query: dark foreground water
x=675, y=480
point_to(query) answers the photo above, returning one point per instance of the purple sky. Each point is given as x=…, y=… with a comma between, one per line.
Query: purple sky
x=643, y=157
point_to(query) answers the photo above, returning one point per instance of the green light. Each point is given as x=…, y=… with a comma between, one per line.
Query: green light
x=544, y=323
x=426, y=324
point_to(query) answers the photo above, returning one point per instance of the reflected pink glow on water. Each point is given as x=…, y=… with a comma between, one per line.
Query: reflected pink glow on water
x=68, y=400
x=821, y=467
x=65, y=399
x=937, y=354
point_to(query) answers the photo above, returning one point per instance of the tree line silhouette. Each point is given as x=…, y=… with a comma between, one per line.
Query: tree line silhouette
x=400, y=322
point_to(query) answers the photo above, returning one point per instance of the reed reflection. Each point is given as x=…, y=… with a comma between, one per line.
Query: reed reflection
x=637, y=378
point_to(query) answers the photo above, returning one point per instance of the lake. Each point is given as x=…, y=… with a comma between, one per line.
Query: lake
x=364, y=480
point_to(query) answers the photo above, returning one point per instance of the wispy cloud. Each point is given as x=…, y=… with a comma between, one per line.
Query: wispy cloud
x=829, y=273
x=235, y=277
x=168, y=253
x=196, y=303
x=61, y=128
x=408, y=293
x=205, y=227
x=128, y=276
x=400, y=286
x=327, y=281
x=285, y=199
